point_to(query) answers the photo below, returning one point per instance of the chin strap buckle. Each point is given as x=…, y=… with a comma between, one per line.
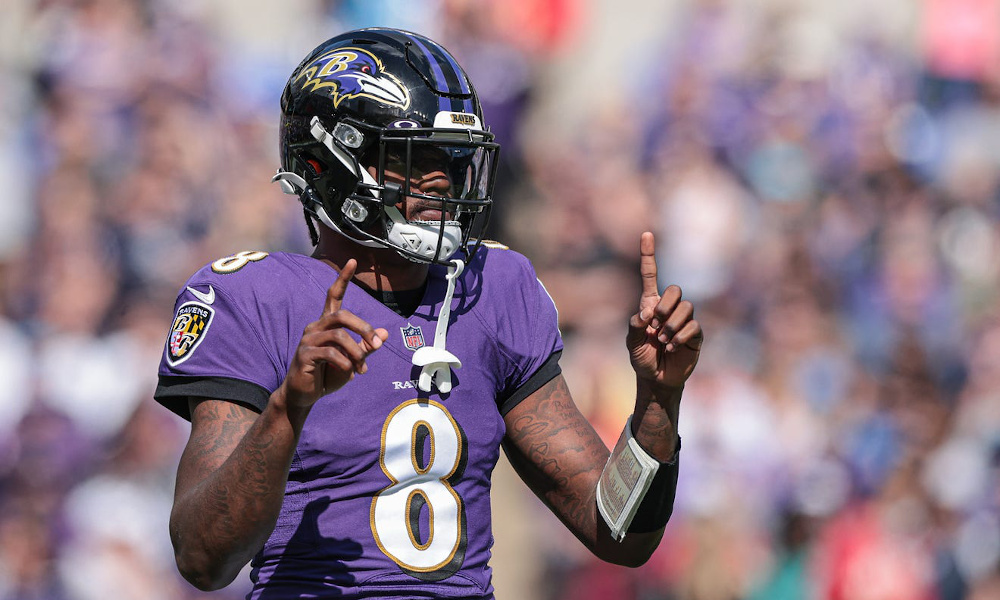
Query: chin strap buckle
x=435, y=361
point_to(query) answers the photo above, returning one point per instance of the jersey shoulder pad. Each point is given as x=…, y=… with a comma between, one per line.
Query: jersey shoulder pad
x=497, y=260
x=240, y=275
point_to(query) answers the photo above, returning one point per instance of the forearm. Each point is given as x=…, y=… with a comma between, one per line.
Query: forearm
x=654, y=421
x=558, y=454
x=567, y=484
x=225, y=510
x=577, y=509
x=654, y=426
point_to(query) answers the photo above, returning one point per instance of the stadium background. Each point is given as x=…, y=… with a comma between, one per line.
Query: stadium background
x=823, y=178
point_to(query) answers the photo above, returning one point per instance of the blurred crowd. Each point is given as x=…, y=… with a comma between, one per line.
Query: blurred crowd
x=823, y=180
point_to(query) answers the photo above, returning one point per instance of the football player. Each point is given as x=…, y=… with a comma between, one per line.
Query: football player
x=347, y=408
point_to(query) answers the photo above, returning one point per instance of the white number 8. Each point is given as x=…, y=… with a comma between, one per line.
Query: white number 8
x=231, y=264
x=395, y=512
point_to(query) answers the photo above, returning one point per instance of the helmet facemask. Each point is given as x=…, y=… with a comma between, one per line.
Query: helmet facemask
x=369, y=179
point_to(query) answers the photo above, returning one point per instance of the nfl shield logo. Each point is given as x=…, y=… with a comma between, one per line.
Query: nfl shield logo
x=413, y=337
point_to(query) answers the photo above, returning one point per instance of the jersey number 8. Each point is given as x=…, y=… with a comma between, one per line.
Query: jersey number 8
x=420, y=486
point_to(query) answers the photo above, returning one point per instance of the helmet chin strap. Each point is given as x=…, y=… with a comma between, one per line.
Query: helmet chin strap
x=294, y=184
x=419, y=237
x=435, y=361
x=422, y=237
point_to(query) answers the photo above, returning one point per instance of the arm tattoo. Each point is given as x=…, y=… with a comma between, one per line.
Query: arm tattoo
x=230, y=483
x=654, y=424
x=560, y=457
x=558, y=454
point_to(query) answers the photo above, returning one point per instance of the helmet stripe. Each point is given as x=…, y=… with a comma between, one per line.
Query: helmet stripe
x=436, y=71
x=466, y=105
x=456, y=70
x=440, y=80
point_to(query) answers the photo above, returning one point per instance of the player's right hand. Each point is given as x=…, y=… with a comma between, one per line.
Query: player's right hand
x=327, y=356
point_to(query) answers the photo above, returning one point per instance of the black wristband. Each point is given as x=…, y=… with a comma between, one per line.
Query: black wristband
x=658, y=504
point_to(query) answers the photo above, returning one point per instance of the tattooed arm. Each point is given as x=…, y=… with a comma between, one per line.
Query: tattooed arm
x=230, y=485
x=232, y=474
x=557, y=453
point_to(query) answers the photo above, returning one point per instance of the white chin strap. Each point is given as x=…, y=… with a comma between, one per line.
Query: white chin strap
x=435, y=361
x=421, y=237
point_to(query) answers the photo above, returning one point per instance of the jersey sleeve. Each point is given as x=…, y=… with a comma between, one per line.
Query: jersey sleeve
x=214, y=348
x=527, y=334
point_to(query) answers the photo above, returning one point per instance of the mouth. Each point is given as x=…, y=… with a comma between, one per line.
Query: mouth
x=430, y=216
x=430, y=213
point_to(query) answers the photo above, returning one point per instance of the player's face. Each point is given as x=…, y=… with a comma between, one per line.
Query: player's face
x=435, y=171
x=427, y=176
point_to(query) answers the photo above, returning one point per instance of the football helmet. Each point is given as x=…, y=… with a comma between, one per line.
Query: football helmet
x=378, y=125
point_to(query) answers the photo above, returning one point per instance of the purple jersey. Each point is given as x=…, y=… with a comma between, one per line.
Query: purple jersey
x=389, y=489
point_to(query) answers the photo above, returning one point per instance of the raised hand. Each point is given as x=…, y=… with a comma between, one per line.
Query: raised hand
x=327, y=356
x=664, y=340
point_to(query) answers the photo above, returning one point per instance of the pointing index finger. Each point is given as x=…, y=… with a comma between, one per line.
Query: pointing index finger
x=647, y=265
x=335, y=295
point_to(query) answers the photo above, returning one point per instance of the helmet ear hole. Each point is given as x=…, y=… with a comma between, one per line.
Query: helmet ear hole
x=315, y=166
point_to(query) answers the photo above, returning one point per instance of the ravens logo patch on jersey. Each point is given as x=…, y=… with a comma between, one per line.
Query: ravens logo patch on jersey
x=190, y=326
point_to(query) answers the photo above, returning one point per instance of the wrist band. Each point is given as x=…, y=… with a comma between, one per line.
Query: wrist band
x=658, y=504
x=636, y=492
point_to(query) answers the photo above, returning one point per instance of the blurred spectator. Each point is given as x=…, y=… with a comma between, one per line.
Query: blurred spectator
x=822, y=177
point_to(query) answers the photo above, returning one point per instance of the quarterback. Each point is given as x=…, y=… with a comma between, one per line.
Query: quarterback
x=347, y=408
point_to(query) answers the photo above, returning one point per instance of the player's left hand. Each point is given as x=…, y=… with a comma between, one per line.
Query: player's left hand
x=664, y=339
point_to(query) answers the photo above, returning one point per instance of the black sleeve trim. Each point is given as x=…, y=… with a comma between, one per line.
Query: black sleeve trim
x=173, y=392
x=543, y=375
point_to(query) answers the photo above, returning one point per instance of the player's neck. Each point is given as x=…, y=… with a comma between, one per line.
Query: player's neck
x=379, y=269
